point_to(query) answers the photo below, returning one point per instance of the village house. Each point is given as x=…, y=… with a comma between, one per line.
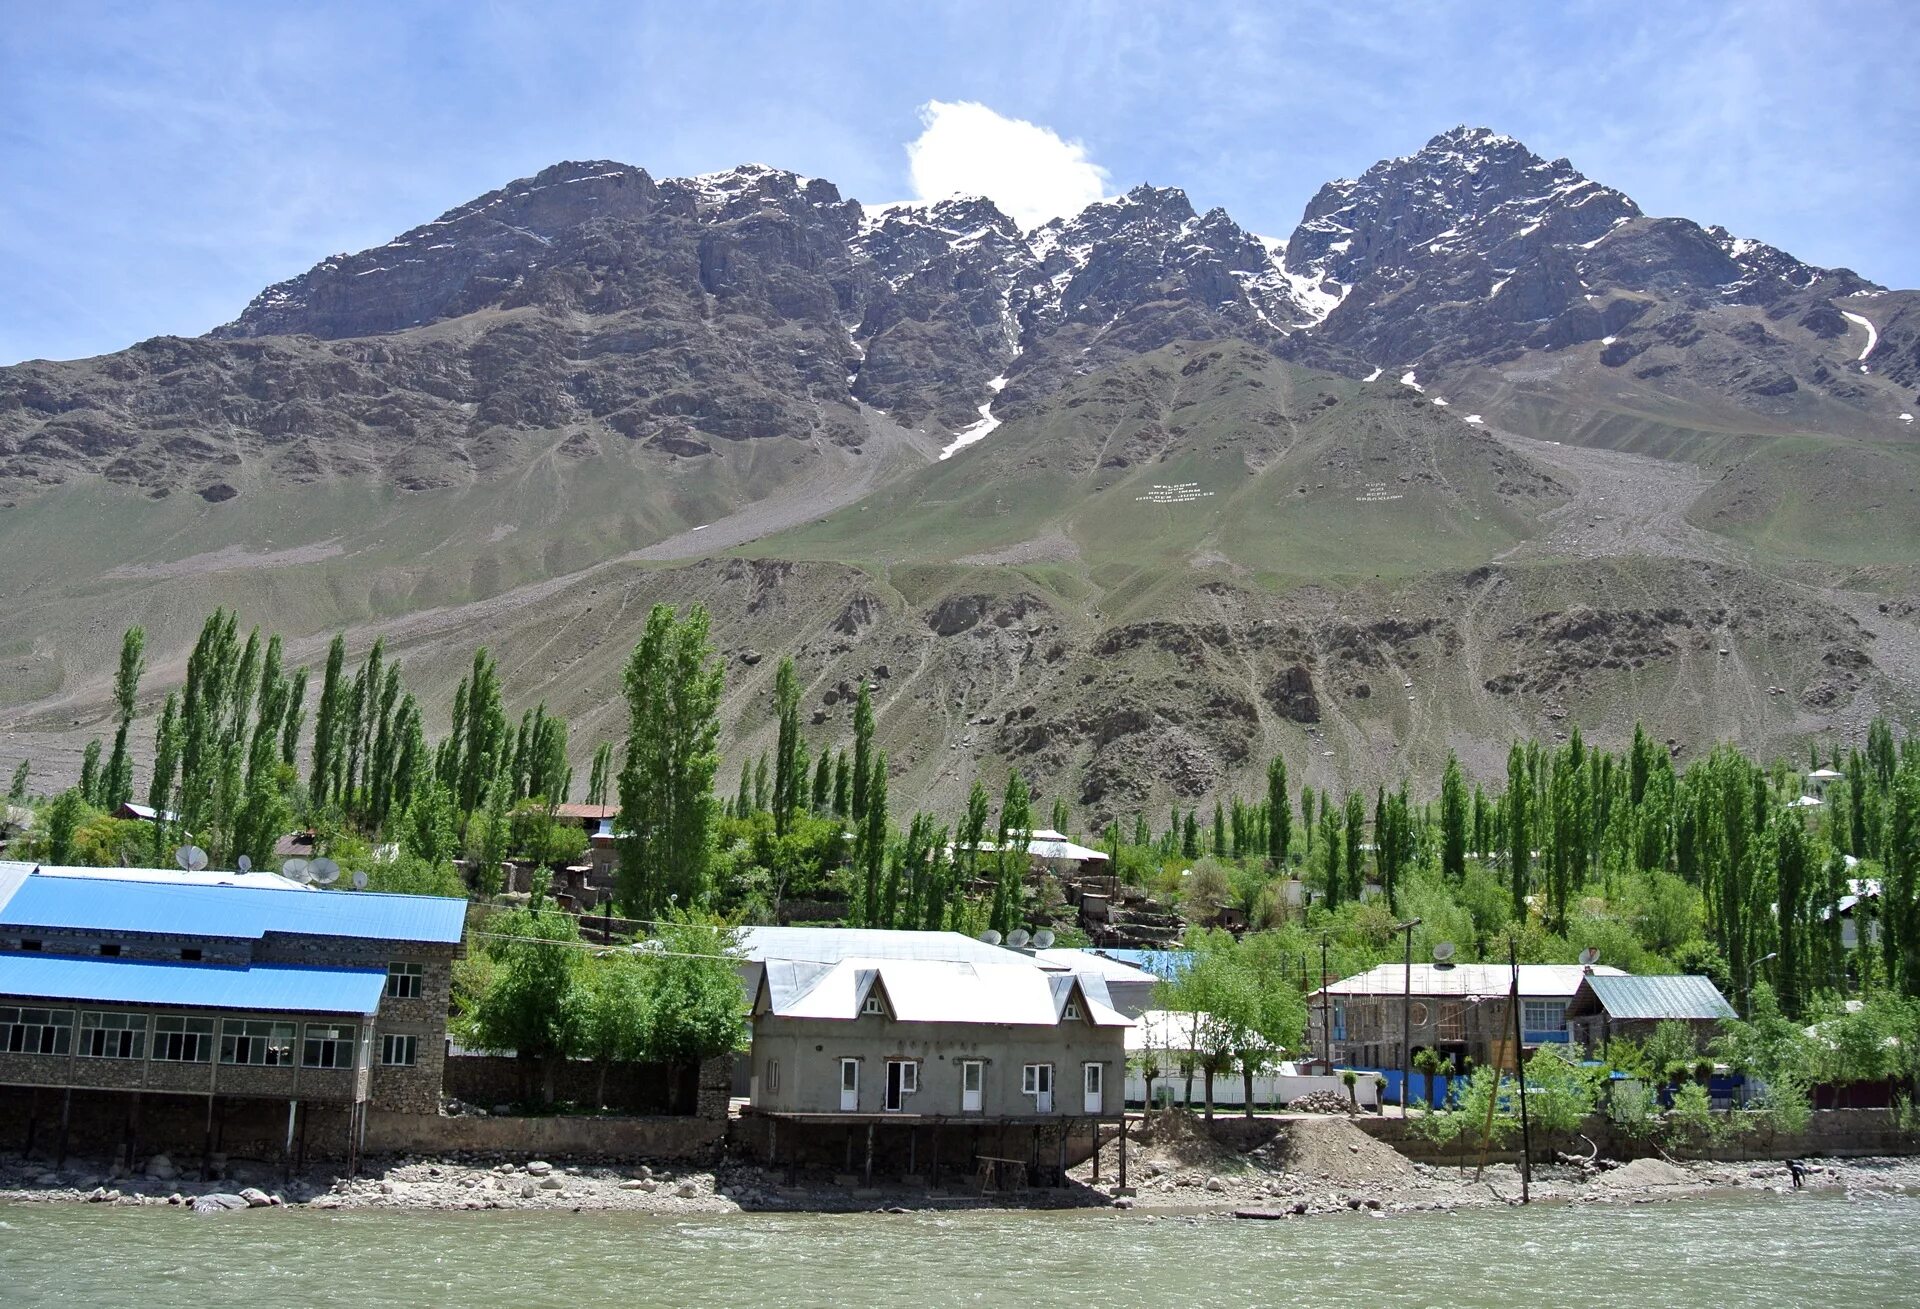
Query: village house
x=1460, y=1011
x=995, y=1065
x=216, y=1012
x=1605, y=1009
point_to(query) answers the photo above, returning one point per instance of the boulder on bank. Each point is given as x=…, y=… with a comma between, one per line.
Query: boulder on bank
x=219, y=1203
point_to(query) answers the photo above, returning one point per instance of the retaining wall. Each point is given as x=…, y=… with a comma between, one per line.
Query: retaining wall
x=547, y=1138
x=1831, y=1134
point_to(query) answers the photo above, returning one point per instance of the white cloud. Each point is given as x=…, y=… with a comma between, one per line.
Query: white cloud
x=968, y=149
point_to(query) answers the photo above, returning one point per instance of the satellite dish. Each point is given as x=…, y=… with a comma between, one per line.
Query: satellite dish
x=324, y=872
x=190, y=857
x=1043, y=939
x=990, y=936
x=1590, y=956
x=1018, y=938
x=244, y=863
x=359, y=881
x=1443, y=952
x=295, y=870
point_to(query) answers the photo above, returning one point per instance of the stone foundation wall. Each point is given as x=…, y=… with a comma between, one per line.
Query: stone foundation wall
x=633, y=1138
x=905, y=1147
x=651, y=1089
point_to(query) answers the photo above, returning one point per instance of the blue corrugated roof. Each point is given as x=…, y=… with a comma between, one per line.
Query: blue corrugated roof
x=275, y=987
x=87, y=904
x=1164, y=964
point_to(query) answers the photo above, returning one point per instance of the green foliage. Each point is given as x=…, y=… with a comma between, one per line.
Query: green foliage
x=526, y=1003
x=667, y=809
x=17, y=789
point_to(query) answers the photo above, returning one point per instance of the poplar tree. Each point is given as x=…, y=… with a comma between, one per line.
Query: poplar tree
x=117, y=786
x=1453, y=821
x=90, y=779
x=862, y=751
x=789, y=763
x=823, y=784
x=1279, y=813
x=1355, y=829
x=673, y=685
x=871, y=848
x=326, y=723
x=1016, y=832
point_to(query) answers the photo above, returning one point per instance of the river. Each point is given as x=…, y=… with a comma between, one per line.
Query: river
x=1725, y=1251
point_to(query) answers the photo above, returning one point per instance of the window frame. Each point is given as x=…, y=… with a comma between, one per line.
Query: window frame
x=1071, y=1013
x=977, y=1069
x=52, y=1030
x=909, y=1075
x=406, y=980
x=1030, y=1079
x=387, y=1045
x=277, y=1037
x=130, y=1034
x=311, y=1045
x=873, y=1004
x=1528, y=1009
x=201, y=1032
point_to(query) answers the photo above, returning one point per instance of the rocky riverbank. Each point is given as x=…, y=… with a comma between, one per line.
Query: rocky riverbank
x=1312, y=1168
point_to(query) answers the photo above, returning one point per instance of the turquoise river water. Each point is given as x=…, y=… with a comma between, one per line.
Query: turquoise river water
x=1817, y=1249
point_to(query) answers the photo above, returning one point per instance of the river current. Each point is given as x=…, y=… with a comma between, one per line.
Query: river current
x=1814, y=1249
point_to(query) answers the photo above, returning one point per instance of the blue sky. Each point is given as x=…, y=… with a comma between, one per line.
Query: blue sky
x=159, y=164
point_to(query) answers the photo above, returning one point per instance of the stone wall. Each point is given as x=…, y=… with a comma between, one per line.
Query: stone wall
x=663, y=1089
x=559, y=1137
x=907, y=1146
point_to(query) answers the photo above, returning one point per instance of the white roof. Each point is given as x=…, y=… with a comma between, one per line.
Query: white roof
x=1485, y=980
x=1805, y=802
x=829, y=945
x=933, y=991
x=1049, y=844
x=181, y=877
x=1825, y=774
x=1086, y=961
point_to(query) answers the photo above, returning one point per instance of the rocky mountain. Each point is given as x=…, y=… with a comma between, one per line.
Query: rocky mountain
x=1261, y=476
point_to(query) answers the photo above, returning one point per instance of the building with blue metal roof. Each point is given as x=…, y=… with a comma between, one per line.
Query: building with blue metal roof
x=126, y=991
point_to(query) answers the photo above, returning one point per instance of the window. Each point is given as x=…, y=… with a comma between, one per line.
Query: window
x=1072, y=1012
x=182, y=1040
x=327, y=1047
x=404, y=981
x=1037, y=1079
x=874, y=1005
x=29, y=945
x=113, y=1036
x=396, y=1050
x=190, y=954
x=1543, y=1015
x=109, y=950
x=259, y=1043
x=36, y=1031
x=909, y=1075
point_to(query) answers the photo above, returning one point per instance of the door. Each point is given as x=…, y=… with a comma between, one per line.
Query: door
x=894, y=1073
x=971, y=1079
x=1095, y=1080
x=849, y=1086
x=1043, y=1088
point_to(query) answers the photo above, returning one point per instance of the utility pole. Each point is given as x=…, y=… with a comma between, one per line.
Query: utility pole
x=1520, y=1067
x=1406, y=1016
x=1326, y=1010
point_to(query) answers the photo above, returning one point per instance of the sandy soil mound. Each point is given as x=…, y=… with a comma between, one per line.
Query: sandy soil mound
x=1336, y=1150
x=1643, y=1173
x=1175, y=1140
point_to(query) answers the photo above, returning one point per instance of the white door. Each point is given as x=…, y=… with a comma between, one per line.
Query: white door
x=970, y=1082
x=1095, y=1078
x=1043, y=1088
x=849, y=1086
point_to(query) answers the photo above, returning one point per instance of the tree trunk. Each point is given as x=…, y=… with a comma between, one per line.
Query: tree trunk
x=1246, y=1082
x=600, y=1090
x=1148, y=1078
x=1208, y=1075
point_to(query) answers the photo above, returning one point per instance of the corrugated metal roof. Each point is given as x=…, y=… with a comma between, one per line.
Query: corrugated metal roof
x=828, y=945
x=934, y=991
x=273, y=987
x=181, y=877
x=88, y=904
x=1470, y=979
x=1167, y=964
x=1676, y=996
x=1087, y=961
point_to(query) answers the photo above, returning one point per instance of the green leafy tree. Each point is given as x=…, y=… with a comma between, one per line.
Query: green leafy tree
x=90, y=789
x=673, y=686
x=1015, y=834
x=117, y=786
x=1453, y=821
x=527, y=1005
x=17, y=791
x=862, y=751
x=1279, y=812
